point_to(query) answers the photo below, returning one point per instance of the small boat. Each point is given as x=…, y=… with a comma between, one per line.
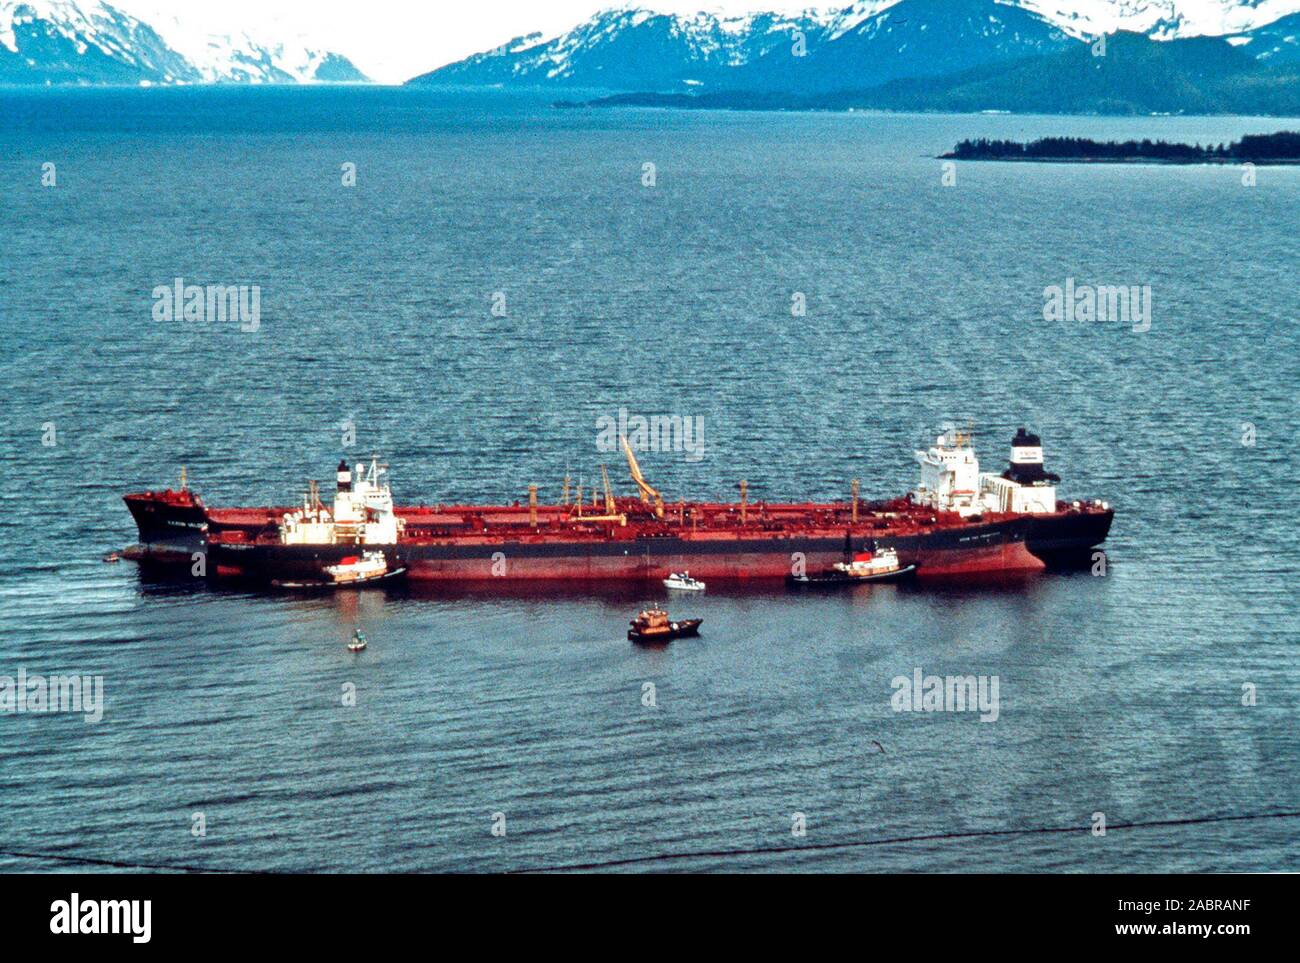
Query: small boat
x=354, y=569
x=113, y=557
x=874, y=565
x=349, y=570
x=653, y=625
x=871, y=566
x=358, y=642
x=684, y=582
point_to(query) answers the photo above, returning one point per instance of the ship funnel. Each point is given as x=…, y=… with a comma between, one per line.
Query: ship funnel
x=1027, y=460
x=344, y=476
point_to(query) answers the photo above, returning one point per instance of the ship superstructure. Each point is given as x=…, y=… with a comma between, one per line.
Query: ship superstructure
x=951, y=480
x=362, y=512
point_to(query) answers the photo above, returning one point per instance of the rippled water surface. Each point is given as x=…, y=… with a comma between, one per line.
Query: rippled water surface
x=1120, y=695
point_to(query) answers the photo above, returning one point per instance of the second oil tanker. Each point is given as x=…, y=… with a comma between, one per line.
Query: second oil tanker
x=958, y=522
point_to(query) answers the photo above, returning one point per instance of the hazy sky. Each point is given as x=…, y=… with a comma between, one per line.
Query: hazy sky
x=392, y=40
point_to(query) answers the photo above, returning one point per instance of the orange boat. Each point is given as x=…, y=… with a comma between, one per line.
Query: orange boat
x=653, y=625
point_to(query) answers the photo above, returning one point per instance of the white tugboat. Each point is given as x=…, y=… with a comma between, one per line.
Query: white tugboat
x=872, y=566
x=353, y=569
x=357, y=642
x=684, y=582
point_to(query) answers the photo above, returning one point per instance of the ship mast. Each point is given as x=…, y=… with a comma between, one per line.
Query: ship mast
x=612, y=514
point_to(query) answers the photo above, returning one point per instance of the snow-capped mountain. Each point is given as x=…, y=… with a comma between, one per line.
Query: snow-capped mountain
x=59, y=41
x=1162, y=19
x=1089, y=18
x=868, y=42
x=634, y=47
x=909, y=38
x=1274, y=43
x=269, y=53
x=92, y=42
x=832, y=47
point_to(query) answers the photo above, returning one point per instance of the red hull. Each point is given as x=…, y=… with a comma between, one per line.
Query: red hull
x=775, y=565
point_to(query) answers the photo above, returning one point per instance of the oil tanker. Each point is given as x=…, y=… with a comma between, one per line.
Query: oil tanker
x=958, y=522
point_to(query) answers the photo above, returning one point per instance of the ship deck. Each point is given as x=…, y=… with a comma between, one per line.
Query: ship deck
x=688, y=521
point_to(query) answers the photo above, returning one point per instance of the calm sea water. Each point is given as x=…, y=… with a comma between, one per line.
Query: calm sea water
x=1119, y=694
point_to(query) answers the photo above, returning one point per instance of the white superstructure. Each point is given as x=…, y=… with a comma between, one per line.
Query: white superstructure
x=362, y=514
x=951, y=479
x=950, y=475
x=1005, y=495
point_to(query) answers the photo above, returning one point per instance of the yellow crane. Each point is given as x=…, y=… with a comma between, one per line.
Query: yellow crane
x=609, y=492
x=612, y=514
x=648, y=493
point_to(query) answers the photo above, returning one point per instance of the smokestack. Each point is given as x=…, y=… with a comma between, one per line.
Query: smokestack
x=344, y=476
x=1027, y=460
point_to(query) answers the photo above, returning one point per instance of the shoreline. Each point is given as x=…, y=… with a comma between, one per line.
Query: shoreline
x=1162, y=161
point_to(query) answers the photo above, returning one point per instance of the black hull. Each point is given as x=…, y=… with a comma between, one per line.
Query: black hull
x=168, y=531
x=1069, y=540
x=685, y=628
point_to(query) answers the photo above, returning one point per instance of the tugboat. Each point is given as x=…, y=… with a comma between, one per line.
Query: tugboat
x=879, y=565
x=873, y=565
x=354, y=570
x=358, y=642
x=684, y=582
x=351, y=570
x=653, y=625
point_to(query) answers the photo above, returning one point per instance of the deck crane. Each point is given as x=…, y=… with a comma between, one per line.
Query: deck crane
x=648, y=493
x=609, y=493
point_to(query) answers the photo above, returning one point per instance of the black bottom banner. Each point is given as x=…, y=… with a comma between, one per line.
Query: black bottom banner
x=336, y=912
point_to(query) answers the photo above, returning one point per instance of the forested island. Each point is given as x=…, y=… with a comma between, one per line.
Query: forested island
x=1280, y=148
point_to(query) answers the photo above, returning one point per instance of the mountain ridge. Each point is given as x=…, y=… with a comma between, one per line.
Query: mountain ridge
x=45, y=42
x=1137, y=75
x=634, y=48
